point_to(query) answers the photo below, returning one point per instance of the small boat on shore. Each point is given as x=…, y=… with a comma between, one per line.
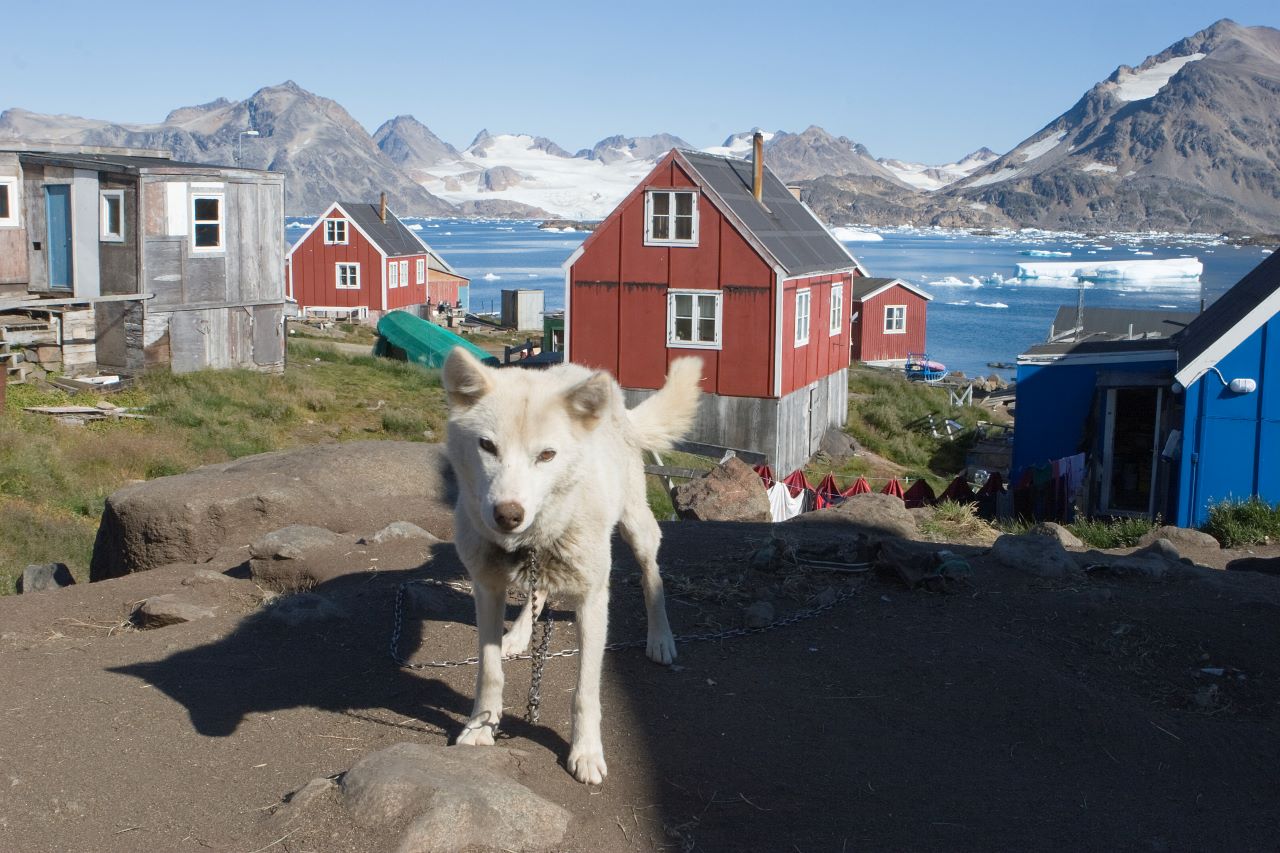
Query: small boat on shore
x=921, y=368
x=1002, y=365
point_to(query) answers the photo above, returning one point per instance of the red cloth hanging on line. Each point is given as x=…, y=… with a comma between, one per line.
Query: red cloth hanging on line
x=958, y=491
x=919, y=494
x=893, y=487
x=796, y=482
x=859, y=487
x=829, y=490
x=993, y=486
x=766, y=474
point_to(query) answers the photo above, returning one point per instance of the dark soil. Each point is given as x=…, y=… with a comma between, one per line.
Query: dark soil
x=1009, y=713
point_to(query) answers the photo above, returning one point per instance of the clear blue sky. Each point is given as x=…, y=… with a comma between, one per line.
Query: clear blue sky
x=918, y=81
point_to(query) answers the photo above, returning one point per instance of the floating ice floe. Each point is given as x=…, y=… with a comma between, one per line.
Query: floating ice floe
x=952, y=281
x=1044, y=253
x=855, y=235
x=1168, y=269
x=297, y=225
x=414, y=227
x=491, y=277
x=991, y=305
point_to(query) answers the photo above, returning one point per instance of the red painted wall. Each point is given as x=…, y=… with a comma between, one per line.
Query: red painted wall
x=312, y=266
x=413, y=294
x=618, y=298
x=873, y=344
x=825, y=353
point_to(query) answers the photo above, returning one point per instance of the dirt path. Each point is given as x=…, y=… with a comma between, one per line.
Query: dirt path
x=1013, y=714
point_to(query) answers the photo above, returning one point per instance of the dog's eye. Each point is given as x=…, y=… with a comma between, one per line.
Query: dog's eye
x=546, y=455
x=488, y=446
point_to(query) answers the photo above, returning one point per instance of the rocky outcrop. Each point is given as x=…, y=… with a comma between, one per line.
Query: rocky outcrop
x=1040, y=556
x=872, y=514
x=345, y=488
x=1181, y=536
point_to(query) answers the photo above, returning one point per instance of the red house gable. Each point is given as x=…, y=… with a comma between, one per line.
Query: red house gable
x=692, y=263
x=353, y=258
x=890, y=319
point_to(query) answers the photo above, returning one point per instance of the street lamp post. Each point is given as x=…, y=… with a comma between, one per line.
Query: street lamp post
x=240, y=144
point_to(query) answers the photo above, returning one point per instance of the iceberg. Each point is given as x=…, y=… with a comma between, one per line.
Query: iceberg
x=991, y=305
x=854, y=235
x=1044, y=253
x=1168, y=269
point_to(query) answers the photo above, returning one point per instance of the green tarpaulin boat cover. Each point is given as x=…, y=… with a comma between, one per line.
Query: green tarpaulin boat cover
x=402, y=335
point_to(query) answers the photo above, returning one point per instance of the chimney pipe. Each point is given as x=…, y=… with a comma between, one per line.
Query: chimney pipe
x=757, y=166
x=382, y=209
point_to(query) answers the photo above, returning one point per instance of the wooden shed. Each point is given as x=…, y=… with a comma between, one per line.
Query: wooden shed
x=360, y=260
x=890, y=320
x=120, y=259
x=715, y=257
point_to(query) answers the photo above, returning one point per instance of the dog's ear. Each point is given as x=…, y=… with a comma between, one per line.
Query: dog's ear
x=465, y=379
x=587, y=400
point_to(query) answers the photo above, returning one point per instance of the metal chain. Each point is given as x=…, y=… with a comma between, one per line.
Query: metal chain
x=541, y=653
x=539, y=656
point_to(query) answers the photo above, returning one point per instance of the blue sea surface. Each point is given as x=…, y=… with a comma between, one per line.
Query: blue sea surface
x=980, y=312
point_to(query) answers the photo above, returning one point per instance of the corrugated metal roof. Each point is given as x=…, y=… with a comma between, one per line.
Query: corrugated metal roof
x=784, y=226
x=123, y=162
x=1119, y=323
x=1231, y=309
x=392, y=237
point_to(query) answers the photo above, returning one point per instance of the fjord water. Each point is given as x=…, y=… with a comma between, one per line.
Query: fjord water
x=979, y=314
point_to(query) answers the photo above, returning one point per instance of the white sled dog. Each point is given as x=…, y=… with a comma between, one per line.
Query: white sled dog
x=548, y=463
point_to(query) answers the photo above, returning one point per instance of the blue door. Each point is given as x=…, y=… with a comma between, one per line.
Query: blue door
x=57, y=207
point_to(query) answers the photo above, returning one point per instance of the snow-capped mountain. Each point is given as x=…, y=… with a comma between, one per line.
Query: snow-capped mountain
x=931, y=178
x=1187, y=140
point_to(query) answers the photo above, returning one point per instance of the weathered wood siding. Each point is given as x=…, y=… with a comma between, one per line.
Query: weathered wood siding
x=13, y=239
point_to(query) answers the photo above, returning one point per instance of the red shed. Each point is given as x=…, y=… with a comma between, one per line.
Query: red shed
x=359, y=259
x=889, y=320
x=714, y=257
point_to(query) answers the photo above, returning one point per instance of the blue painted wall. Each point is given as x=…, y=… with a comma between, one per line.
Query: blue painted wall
x=1053, y=403
x=1234, y=446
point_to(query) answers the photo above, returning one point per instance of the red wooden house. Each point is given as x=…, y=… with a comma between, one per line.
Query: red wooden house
x=715, y=257
x=889, y=320
x=359, y=259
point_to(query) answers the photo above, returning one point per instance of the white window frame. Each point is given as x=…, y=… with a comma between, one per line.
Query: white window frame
x=104, y=235
x=420, y=272
x=895, y=321
x=649, y=239
x=837, y=309
x=221, y=222
x=337, y=275
x=393, y=274
x=673, y=341
x=334, y=241
x=803, y=299
x=404, y=273
x=13, y=220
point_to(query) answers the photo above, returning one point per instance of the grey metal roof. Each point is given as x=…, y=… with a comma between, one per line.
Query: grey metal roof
x=862, y=286
x=392, y=237
x=1229, y=310
x=123, y=162
x=1121, y=323
x=1096, y=346
x=784, y=226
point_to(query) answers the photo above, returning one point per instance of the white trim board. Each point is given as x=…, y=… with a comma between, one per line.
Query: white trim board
x=1229, y=340
x=897, y=282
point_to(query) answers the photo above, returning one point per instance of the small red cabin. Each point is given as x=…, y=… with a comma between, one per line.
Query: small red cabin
x=714, y=257
x=359, y=259
x=889, y=320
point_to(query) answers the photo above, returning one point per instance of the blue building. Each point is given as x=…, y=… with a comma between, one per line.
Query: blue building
x=1173, y=412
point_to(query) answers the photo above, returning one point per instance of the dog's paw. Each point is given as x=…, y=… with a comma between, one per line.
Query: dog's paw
x=587, y=765
x=516, y=641
x=661, y=648
x=479, y=731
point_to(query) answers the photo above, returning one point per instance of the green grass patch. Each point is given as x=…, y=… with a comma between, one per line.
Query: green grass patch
x=955, y=521
x=1238, y=524
x=1112, y=532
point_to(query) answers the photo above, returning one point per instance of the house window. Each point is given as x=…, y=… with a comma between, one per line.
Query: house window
x=206, y=223
x=837, y=308
x=671, y=218
x=8, y=201
x=393, y=274
x=421, y=276
x=348, y=276
x=693, y=318
x=335, y=232
x=404, y=273
x=895, y=319
x=802, y=317
x=111, y=216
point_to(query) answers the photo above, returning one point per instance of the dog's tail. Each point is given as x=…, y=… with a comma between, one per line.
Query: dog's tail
x=665, y=418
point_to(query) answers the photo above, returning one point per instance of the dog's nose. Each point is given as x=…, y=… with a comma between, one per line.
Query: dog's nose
x=508, y=514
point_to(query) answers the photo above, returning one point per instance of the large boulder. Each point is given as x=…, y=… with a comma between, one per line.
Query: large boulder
x=731, y=491
x=873, y=514
x=1181, y=537
x=1041, y=556
x=440, y=799
x=1064, y=536
x=346, y=488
